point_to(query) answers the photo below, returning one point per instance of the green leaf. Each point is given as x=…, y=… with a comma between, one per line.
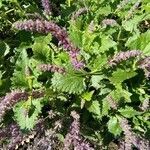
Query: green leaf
x=4, y=49
x=95, y=80
x=114, y=127
x=41, y=50
x=128, y=112
x=105, y=107
x=19, y=78
x=69, y=82
x=106, y=44
x=141, y=42
x=26, y=115
x=99, y=62
x=87, y=95
x=120, y=75
x=94, y=107
x=120, y=93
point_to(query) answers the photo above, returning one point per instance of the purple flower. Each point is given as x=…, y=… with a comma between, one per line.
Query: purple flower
x=73, y=138
x=79, y=12
x=133, y=8
x=122, y=4
x=112, y=102
x=47, y=6
x=129, y=135
x=110, y=22
x=122, y=56
x=52, y=68
x=145, y=65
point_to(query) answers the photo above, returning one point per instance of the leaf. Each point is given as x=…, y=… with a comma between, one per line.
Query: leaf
x=75, y=35
x=120, y=75
x=94, y=107
x=132, y=24
x=140, y=42
x=95, y=80
x=105, y=107
x=70, y=83
x=19, y=78
x=114, y=127
x=27, y=116
x=87, y=95
x=99, y=62
x=128, y=112
x=120, y=93
x=41, y=49
x=106, y=44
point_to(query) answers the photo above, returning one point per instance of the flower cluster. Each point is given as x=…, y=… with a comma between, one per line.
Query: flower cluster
x=44, y=26
x=122, y=56
x=16, y=136
x=15, y=96
x=145, y=104
x=47, y=7
x=52, y=68
x=145, y=65
x=112, y=102
x=133, y=8
x=110, y=22
x=73, y=137
x=79, y=12
x=122, y=4
x=129, y=136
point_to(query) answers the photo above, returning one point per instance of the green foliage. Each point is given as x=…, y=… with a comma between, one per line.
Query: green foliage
x=113, y=126
x=26, y=113
x=71, y=83
x=85, y=90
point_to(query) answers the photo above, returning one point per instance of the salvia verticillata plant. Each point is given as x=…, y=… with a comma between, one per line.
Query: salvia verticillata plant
x=90, y=58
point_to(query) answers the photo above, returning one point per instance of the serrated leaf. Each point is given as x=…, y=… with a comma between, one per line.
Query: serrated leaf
x=106, y=44
x=26, y=117
x=121, y=75
x=40, y=48
x=70, y=83
x=114, y=127
x=128, y=112
x=105, y=107
x=94, y=107
x=141, y=42
x=98, y=62
x=19, y=78
x=87, y=95
x=95, y=80
x=120, y=93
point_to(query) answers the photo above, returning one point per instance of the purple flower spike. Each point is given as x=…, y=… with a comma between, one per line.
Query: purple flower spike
x=73, y=138
x=79, y=12
x=129, y=135
x=122, y=56
x=52, y=68
x=110, y=22
x=145, y=65
x=47, y=6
